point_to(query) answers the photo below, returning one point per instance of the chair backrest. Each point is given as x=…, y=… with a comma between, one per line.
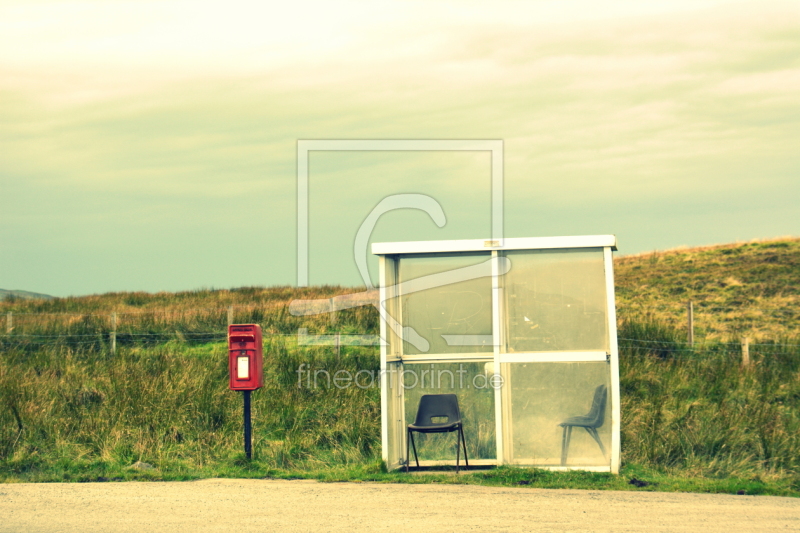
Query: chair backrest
x=598, y=412
x=435, y=405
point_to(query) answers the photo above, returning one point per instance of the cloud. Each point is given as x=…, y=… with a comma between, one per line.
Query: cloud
x=176, y=110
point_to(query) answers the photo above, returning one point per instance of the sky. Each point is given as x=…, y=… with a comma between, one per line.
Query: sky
x=152, y=146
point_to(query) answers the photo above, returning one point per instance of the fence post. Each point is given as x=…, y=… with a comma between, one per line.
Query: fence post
x=338, y=345
x=9, y=322
x=745, y=352
x=332, y=310
x=690, y=322
x=230, y=315
x=113, y=333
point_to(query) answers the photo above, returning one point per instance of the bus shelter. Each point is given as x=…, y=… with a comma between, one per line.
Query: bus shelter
x=522, y=330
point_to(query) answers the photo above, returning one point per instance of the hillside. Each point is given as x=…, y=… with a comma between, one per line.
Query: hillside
x=73, y=409
x=23, y=295
x=744, y=289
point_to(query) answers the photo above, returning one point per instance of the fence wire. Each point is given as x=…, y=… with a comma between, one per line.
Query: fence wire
x=131, y=327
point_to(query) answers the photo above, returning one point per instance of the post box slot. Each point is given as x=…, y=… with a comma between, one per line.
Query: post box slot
x=243, y=338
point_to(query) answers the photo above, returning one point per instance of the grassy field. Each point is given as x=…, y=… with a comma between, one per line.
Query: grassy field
x=693, y=417
x=747, y=289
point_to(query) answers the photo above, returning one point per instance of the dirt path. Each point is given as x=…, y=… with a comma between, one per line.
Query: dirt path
x=254, y=505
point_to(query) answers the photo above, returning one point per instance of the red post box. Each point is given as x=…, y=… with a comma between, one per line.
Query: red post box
x=245, y=357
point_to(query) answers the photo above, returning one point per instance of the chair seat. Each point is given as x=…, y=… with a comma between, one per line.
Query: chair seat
x=435, y=428
x=580, y=421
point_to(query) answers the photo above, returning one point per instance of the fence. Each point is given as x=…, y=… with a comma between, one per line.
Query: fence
x=700, y=320
x=653, y=329
x=193, y=325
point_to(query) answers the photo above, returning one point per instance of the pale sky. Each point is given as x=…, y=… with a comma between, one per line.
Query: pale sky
x=152, y=145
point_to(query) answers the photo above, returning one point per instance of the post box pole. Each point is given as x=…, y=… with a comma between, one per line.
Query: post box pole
x=246, y=368
x=248, y=445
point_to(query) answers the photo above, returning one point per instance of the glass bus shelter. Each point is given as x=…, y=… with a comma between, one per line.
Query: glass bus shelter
x=523, y=331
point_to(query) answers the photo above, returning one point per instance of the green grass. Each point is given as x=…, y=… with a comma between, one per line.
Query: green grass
x=693, y=422
x=745, y=289
x=171, y=403
x=631, y=478
x=693, y=418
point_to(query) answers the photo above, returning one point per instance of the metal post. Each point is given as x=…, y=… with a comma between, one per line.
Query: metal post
x=690, y=318
x=9, y=322
x=745, y=351
x=248, y=429
x=332, y=310
x=230, y=315
x=113, y=333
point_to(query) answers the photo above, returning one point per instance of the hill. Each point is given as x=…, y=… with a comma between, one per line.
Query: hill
x=73, y=409
x=743, y=289
x=24, y=295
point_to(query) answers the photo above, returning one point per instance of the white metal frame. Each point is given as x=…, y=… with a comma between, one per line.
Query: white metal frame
x=613, y=360
x=386, y=253
x=385, y=385
x=475, y=245
x=554, y=357
x=498, y=331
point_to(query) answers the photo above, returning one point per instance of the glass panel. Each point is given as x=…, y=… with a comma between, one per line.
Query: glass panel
x=469, y=381
x=453, y=317
x=553, y=402
x=555, y=300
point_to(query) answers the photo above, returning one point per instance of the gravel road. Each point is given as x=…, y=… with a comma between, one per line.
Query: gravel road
x=258, y=505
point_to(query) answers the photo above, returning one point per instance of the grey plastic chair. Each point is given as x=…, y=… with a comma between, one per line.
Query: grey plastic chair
x=434, y=406
x=590, y=422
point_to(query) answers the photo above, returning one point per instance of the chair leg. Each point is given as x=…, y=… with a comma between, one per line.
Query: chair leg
x=464, y=442
x=408, y=458
x=458, y=452
x=414, y=447
x=596, y=437
x=566, y=437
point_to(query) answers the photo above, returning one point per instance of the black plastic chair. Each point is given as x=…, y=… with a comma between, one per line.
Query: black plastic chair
x=434, y=406
x=593, y=420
